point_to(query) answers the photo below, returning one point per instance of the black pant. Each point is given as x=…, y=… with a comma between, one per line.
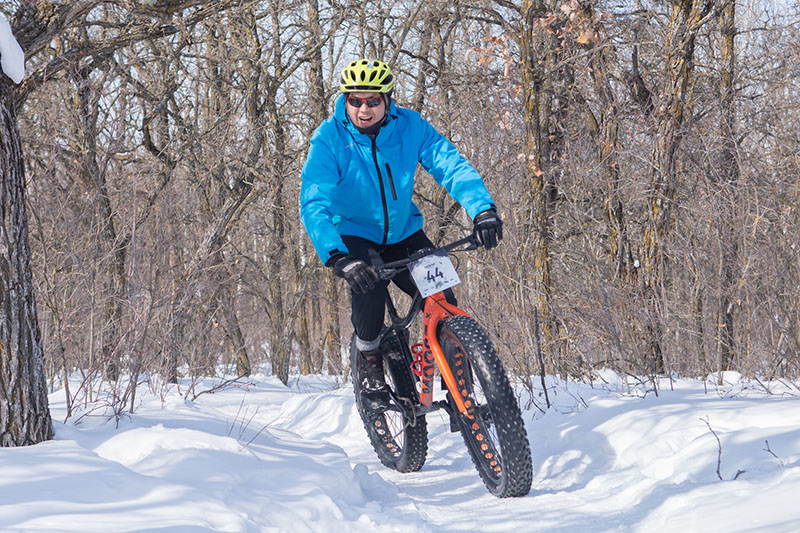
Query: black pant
x=367, y=310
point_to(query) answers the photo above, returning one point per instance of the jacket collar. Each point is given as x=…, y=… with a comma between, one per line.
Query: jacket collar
x=340, y=114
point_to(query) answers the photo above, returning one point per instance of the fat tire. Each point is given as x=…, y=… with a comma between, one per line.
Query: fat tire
x=495, y=434
x=400, y=449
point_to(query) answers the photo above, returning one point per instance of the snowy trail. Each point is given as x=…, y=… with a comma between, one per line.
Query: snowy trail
x=263, y=457
x=619, y=464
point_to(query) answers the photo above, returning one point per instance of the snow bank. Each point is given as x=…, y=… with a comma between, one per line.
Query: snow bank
x=258, y=456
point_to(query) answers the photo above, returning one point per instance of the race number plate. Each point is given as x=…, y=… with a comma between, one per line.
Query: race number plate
x=433, y=273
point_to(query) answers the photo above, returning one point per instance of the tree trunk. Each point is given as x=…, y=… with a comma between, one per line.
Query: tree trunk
x=24, y=412
x=330, y=285
x=728, y=182
x=233, y=331
x=114, y=250
x=424, y=69
x=604, y=130
x=279, y=338
x=279, y=334
x=538, y=157
x=668, y=120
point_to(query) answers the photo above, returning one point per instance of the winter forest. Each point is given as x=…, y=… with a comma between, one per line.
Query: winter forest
x=643, y=154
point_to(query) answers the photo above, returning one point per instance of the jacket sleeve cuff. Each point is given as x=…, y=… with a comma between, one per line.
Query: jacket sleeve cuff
x=485, y=207
x=335, y=255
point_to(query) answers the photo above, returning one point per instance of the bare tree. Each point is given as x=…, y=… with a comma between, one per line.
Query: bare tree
x=728, y=177
x=25, y=418
x=643, y=159
x=24, y=413
x=325, y=280
x=668, y=117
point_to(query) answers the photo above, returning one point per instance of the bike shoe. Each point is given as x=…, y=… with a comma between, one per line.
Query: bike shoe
x=374, y=391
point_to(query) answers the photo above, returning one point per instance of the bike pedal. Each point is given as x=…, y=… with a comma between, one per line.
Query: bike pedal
x=375, y=406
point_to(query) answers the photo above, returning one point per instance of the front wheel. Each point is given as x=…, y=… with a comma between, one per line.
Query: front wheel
x=493, y=429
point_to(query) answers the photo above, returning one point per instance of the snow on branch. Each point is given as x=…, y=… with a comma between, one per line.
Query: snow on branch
x=12, y=58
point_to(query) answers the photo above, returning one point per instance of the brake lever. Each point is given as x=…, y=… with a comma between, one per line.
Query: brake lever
x=473, y=244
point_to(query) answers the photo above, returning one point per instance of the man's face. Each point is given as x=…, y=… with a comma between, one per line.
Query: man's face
x=359, y=110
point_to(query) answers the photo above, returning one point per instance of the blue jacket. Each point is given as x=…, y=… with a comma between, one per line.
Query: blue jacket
x=353, y=184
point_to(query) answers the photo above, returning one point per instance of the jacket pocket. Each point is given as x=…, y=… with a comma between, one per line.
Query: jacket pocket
x=391, y=181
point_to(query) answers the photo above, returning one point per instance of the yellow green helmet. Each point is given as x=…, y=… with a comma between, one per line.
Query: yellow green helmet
x=367, y=75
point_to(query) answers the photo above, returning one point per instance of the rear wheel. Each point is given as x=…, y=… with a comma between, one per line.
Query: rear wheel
x=399, y=438
x=493, y=429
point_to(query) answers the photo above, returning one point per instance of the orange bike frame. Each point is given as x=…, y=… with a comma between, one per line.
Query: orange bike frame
x=437, y=309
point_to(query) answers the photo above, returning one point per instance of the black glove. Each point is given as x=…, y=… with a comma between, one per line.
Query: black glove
x=361, y=276
x=488, y=228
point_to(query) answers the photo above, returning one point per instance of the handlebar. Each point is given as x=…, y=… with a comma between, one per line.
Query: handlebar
x=387, y=271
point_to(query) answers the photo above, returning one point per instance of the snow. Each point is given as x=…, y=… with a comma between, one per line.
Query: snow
x=259, y=456
x=12, y=58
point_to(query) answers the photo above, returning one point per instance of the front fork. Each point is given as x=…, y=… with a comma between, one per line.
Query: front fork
x=436, y=309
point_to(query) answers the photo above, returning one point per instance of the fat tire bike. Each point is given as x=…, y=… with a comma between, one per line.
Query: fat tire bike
x=479, y=397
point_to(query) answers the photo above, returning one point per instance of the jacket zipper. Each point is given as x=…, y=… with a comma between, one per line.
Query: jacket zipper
x=383, y=192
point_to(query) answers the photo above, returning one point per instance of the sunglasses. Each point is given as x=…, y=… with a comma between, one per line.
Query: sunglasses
x=374, y=101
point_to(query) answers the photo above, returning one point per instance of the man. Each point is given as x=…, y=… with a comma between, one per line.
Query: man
x=356, y=192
